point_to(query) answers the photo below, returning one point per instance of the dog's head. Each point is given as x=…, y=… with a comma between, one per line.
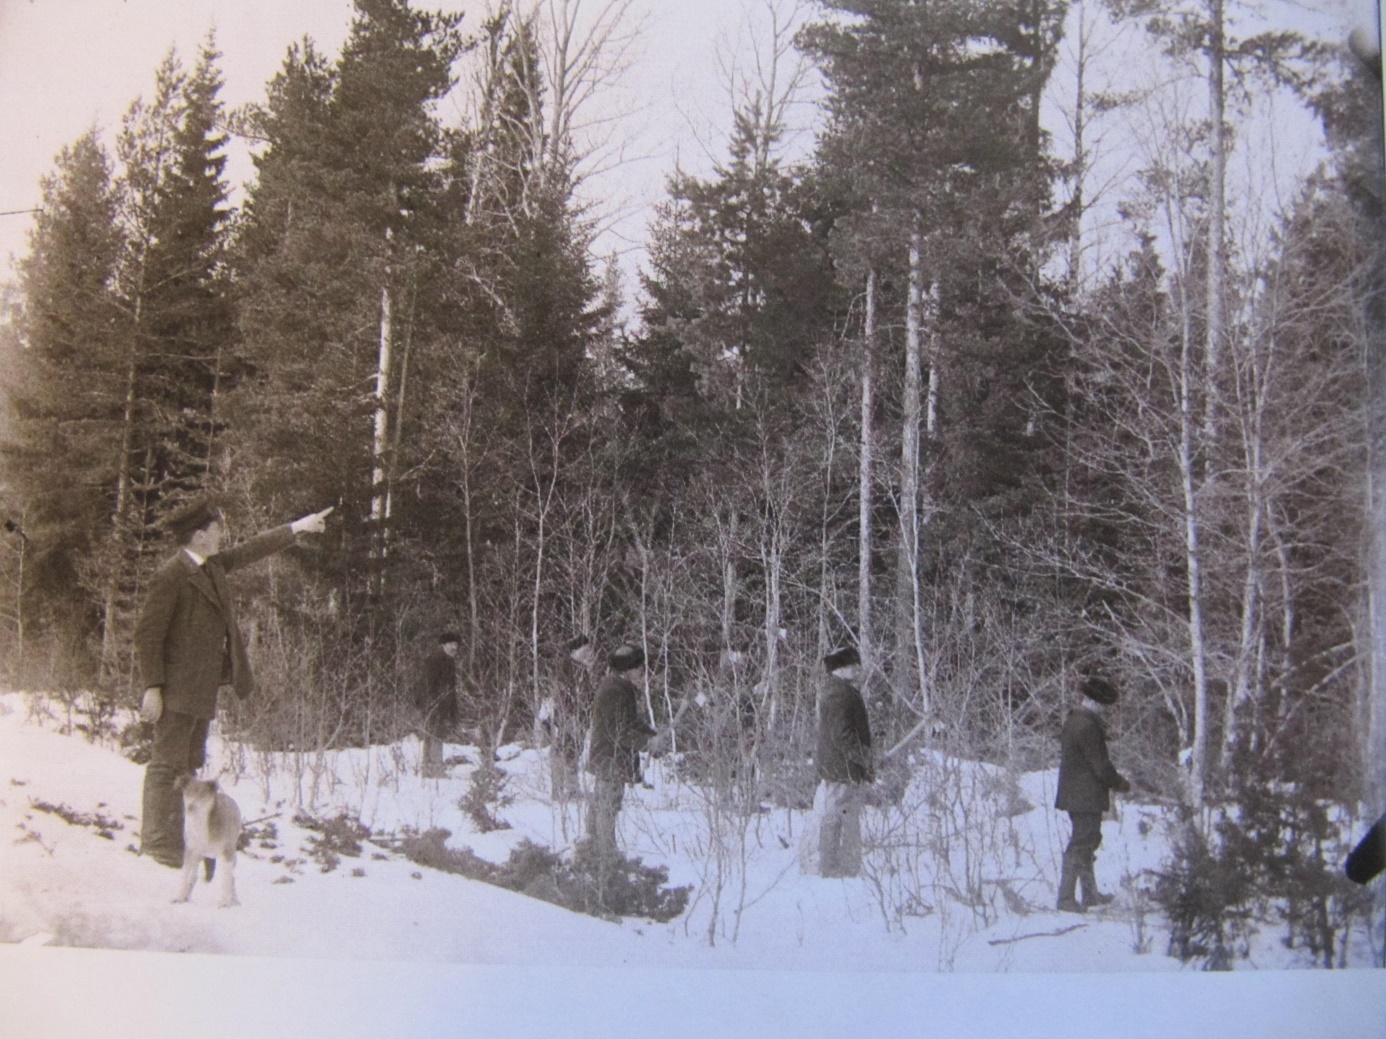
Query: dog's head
x=196, y=791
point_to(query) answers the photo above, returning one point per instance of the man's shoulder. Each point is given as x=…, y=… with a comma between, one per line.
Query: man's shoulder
x=615, y=685
x=177, y=567
x=1080, y=723
x=841, y=690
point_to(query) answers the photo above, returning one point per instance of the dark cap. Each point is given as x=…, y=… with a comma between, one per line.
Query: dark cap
x=626, y=657
x=1099, y=690
x=198, y=514
x=575, y=644
x=847, y=656
x=445, y=637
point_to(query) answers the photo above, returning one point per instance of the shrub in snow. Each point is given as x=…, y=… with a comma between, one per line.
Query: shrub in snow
x=1271, y=857
x=104, y=826
x=485, y=793
x=603, y=886
x=333, y=838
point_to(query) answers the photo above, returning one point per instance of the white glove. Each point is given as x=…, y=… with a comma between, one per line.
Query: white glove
x=152, y=706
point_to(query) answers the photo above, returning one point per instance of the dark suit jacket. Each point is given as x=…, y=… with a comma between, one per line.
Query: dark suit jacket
x=187, y=639
x=437, y=694
x=618, y=731
x=844, y=735
x=1086, y=774
x=1369, y=857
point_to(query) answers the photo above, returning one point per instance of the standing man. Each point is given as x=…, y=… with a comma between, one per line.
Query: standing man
x=1086, y=779
x=188, y=644
x=619, y=732
x=563, y=716
x=437, y=699
x=844, y=765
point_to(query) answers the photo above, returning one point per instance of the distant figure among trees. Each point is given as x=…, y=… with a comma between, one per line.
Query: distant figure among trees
x=619, y=733
x=845, y=768
x=189, y=644
x=1086, y=779
x=436, y=699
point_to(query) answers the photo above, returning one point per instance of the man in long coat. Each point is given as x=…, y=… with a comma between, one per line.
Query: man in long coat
x=1086, y=779
x=845, y=767
x=188, y=644
x=619, y=732
x=436, y=699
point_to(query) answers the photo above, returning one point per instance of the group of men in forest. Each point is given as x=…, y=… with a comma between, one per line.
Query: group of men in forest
x=188, y=644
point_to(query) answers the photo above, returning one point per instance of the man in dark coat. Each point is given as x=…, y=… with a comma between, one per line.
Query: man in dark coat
x=619, y=732
x=188, y=644
x=845, y=767
x=1086, y=779
x=436, y=699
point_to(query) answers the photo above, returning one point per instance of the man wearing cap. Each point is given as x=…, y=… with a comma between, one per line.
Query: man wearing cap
x=436, y=698
x=845, y=765
x=562, y=717
x=1086, y=779
x=188, y=644
x=619, y=732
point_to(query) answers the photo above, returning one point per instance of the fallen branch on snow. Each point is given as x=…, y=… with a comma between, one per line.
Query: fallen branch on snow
x=1037, y=934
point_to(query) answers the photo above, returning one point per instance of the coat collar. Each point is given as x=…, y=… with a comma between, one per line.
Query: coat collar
x=199, y=578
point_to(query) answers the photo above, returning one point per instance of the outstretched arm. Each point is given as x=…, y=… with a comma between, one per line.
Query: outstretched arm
x=313, y=523
x=272, y=541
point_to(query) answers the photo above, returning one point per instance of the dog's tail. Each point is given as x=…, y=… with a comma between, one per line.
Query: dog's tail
x=209, y=868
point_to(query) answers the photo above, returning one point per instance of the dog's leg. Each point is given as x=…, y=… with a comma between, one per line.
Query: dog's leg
x=190, y=861
x=228, y=880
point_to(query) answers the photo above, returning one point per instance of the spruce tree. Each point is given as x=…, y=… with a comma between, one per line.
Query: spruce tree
x=67, y=398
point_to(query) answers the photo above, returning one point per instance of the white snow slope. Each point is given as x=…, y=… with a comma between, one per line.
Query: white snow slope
x=64, y=884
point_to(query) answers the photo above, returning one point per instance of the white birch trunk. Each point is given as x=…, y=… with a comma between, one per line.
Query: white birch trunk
x=1198, y=751
x=380, y=502
x=866, y=501
x=1217, y=203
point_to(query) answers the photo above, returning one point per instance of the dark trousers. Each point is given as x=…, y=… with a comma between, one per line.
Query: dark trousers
x=1087, y=837
x=180, y=745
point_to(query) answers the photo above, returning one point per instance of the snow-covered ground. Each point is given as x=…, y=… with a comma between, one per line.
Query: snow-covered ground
x=983, y=904
x=383, y=946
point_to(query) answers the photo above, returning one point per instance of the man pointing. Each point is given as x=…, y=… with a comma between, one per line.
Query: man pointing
x=188, y=644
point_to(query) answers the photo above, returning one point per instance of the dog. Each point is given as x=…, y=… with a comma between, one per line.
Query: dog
x=211, y=832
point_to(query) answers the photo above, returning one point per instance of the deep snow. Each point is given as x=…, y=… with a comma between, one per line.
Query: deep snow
x=63, y=884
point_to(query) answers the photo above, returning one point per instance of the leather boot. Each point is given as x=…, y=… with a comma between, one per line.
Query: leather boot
x=1067, y=879
x=1087, y=882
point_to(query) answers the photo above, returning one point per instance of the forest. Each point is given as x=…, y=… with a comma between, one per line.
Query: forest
x=1016, y=375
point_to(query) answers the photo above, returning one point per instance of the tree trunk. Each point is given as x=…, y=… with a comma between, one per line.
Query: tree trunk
x=866, y=475
x=1217, y=203
x=1198, y=752
x=380, y=448
x=111, y=606
x=910, y=640
x=1080, y=158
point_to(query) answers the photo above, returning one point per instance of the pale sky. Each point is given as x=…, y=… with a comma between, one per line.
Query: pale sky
x=66, y=65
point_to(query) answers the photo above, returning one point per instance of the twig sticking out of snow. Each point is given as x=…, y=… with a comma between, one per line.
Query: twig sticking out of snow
x=1037, y=934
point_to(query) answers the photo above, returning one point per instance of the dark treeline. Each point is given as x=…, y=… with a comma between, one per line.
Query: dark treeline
x=875, y=397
